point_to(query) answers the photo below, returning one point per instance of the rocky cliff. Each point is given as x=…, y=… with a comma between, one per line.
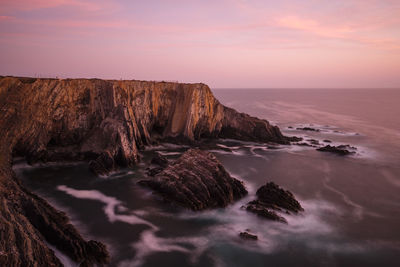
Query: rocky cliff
x=102, y=121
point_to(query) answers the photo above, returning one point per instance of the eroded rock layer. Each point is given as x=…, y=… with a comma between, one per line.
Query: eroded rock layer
x=197, y=181
x=102, y=121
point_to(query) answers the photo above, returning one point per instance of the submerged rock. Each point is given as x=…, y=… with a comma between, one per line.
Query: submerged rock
x=271, y=198
x=197, y=181
x=159, y=160
x=308, y=129
x=262, y=210
x=248, y=236
x=313, y=141
x=342, y=150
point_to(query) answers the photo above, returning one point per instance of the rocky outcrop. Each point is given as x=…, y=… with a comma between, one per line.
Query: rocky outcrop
x=105, y=122
x=308, y=129
x=28, y=223
x=271, y=198
x=246, y=235
x=342, y=150
x=197, y=181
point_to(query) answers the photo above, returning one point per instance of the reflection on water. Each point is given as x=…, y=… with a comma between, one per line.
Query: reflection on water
x=351, y=203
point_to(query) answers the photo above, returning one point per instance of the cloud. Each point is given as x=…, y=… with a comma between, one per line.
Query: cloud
x=313, y=26
x=29, y=5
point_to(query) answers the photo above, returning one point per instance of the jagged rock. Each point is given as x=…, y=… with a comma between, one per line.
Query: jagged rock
x=27, y=222
x=339, y=150
x=327, y=141
x=105, y=122
x=197, y=181
x=271, y=197
x=261, y=210
x=154, y=171
x=277, y=198
x=308, y=129
x=248, y=236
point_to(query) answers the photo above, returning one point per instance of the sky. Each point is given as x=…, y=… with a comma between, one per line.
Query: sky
x=223, y=43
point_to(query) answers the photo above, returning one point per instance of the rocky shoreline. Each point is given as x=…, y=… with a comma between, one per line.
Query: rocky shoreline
x=106, y=123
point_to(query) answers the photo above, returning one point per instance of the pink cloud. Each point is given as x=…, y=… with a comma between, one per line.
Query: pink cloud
x=27, y=5
x=313, y=26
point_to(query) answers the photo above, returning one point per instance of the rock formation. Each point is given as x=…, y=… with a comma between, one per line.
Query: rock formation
x=342, y=150
x=105, y=122
x=246, y=235
x=197, y=181
x=271, y=198
x=308, y=129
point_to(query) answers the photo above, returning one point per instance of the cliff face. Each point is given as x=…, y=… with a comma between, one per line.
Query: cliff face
x=106, y=123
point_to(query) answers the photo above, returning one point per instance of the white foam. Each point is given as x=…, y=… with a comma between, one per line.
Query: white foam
x=150, y=243
x=112, y=204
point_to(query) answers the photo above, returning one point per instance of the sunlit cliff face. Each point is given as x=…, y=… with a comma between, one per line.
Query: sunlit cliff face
x=226, y=43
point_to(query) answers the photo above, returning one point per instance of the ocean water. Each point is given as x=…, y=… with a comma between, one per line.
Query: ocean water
x=352, y=203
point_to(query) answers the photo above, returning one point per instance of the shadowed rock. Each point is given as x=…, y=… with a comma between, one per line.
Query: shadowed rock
x=196, y=181
x=159, y=160
x=271, y=198
x=308, y=129
x=341, y=150
x=248, y=236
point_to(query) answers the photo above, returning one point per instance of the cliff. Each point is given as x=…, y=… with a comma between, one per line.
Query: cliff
x=105, y=122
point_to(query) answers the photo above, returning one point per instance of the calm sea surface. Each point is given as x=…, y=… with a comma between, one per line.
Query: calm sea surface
x=352, y=204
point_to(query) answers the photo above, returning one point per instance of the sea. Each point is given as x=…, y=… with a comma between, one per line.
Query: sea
x=351, y=203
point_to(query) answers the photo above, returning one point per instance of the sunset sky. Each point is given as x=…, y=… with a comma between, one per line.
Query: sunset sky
x=224, y=43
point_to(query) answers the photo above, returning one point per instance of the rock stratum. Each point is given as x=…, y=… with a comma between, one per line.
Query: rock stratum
x=197, y=181
x=105, y=122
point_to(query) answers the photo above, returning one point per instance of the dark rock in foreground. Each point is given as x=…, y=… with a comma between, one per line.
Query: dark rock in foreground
x=272, y=198
x=339, y=150
x=28, y=222
x=248, y=236
x=197, y=181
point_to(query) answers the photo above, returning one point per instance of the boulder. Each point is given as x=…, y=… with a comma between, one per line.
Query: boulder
x=339, y=150
x=197, y=181
x=272, y=198
x=248, y=236
x=308, y=129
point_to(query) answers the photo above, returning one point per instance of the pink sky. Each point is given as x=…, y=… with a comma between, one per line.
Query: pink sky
x=224, y=43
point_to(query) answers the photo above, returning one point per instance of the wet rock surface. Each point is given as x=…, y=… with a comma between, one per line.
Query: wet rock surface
x=271, y=198
x=247, y=236
x=197, y=181
x=308, y=129
x=342, y=150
